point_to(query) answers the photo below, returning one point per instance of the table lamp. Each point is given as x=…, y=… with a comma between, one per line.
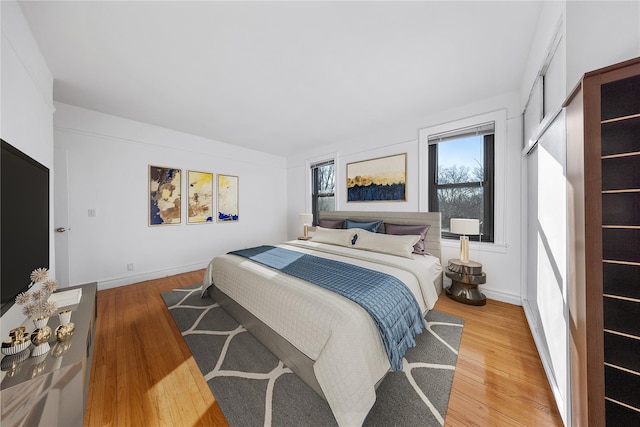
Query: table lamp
x=465, y=227
x=306, y=219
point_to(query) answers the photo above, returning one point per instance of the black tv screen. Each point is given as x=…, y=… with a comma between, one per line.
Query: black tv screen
x=24, y=221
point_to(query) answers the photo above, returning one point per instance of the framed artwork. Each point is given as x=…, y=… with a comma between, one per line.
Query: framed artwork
x=165, y=186
x=200, y=201
x=377, y=180
x=227, y=198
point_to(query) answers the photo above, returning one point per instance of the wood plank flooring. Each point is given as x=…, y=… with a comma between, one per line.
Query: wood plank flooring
x=499, y=379
x=143, y=373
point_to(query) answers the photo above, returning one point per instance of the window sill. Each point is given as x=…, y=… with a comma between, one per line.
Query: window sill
x=500, y=248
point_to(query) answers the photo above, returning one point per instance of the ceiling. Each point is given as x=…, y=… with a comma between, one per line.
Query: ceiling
x=281, y=77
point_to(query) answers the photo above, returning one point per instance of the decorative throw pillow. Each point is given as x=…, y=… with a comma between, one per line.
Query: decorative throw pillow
x=386, y=243
x=340, y=237
x=331, y=223
x=369, y=226
x=403, y=230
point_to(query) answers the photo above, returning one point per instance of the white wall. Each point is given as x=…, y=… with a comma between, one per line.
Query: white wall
x=108, y=159
x=26, y=109
x=600, y=33
x=501, y=261
x=551, y=17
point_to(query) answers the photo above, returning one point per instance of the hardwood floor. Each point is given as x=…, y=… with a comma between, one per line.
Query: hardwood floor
x=143, y=373
x=499, y=379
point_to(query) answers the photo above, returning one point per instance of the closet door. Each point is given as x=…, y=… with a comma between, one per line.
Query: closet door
x=547, y=289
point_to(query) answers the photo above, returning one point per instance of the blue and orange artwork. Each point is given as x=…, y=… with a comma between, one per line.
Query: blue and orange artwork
x=381, y=179
x=164, y=195
x=200, y=202
x=227, y=198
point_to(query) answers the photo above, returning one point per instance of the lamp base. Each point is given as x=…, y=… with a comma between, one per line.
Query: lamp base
x=464, y=248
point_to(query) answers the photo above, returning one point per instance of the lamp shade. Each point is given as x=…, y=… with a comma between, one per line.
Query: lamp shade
x=465, y=226
x=306, y=218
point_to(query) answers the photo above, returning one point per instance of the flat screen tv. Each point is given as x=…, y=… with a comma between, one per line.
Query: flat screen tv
x=24, y=221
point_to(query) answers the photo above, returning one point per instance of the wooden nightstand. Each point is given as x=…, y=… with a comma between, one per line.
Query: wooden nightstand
x=465, y=278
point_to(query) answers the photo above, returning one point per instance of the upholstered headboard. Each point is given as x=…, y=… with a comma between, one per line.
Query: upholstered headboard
x=432, y=241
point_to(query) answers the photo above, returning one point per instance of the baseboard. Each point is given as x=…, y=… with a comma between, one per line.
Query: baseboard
x=544, y=358
x=501, y=296
x=141, y=277
x=491, y=294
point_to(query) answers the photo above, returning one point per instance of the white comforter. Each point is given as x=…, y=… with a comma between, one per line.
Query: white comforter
x=350, y=357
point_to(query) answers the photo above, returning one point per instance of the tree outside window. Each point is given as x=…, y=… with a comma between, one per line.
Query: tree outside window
x=461, y=173
x=322, y=188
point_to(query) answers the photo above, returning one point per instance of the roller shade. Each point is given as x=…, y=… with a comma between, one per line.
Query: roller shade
x=479, y=130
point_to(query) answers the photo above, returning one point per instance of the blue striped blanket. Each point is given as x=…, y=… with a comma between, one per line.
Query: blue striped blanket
x=387, y=299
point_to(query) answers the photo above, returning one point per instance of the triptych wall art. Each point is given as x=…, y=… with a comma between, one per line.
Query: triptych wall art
x=165, y=201
x=165, y=185
x=200, y=202
x=227, y=198
x=377, y=180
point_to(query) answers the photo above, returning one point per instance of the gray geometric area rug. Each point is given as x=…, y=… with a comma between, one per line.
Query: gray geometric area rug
x=254, y=388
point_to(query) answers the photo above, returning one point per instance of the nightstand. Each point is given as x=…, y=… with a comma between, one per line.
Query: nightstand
x=465, y=278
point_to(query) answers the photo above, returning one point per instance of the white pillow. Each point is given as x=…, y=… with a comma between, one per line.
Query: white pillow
x=334, y=236
x=386, y=243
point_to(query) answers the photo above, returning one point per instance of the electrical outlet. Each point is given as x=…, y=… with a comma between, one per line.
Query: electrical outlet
x=129, y=267
x=91, y=212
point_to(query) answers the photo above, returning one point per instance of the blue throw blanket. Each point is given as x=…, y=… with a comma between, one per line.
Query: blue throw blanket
x=387, y=300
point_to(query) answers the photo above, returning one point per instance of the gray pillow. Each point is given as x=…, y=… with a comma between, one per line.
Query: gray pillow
x=402, y=230
x=331, y=223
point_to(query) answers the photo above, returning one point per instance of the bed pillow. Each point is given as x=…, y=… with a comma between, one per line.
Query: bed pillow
x=369, y=226
x=402, y=230
x=331, y=236
x=331, y=223
x=386, y=243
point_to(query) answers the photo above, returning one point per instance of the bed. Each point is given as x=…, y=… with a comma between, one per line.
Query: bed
x=328, y=340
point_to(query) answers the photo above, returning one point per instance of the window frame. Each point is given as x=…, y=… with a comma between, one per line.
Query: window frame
x=487, y=182
x=314, y=194
x=499, y=117
x=544, y=101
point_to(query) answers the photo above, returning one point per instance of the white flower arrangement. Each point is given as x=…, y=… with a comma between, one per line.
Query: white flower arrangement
x=36, y=303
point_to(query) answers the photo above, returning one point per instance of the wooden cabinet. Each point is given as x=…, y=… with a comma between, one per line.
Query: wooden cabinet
x=603, y=172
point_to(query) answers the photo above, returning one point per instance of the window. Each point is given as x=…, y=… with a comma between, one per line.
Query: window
x=461, y=177
x=547, y=93
x=322, y=188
